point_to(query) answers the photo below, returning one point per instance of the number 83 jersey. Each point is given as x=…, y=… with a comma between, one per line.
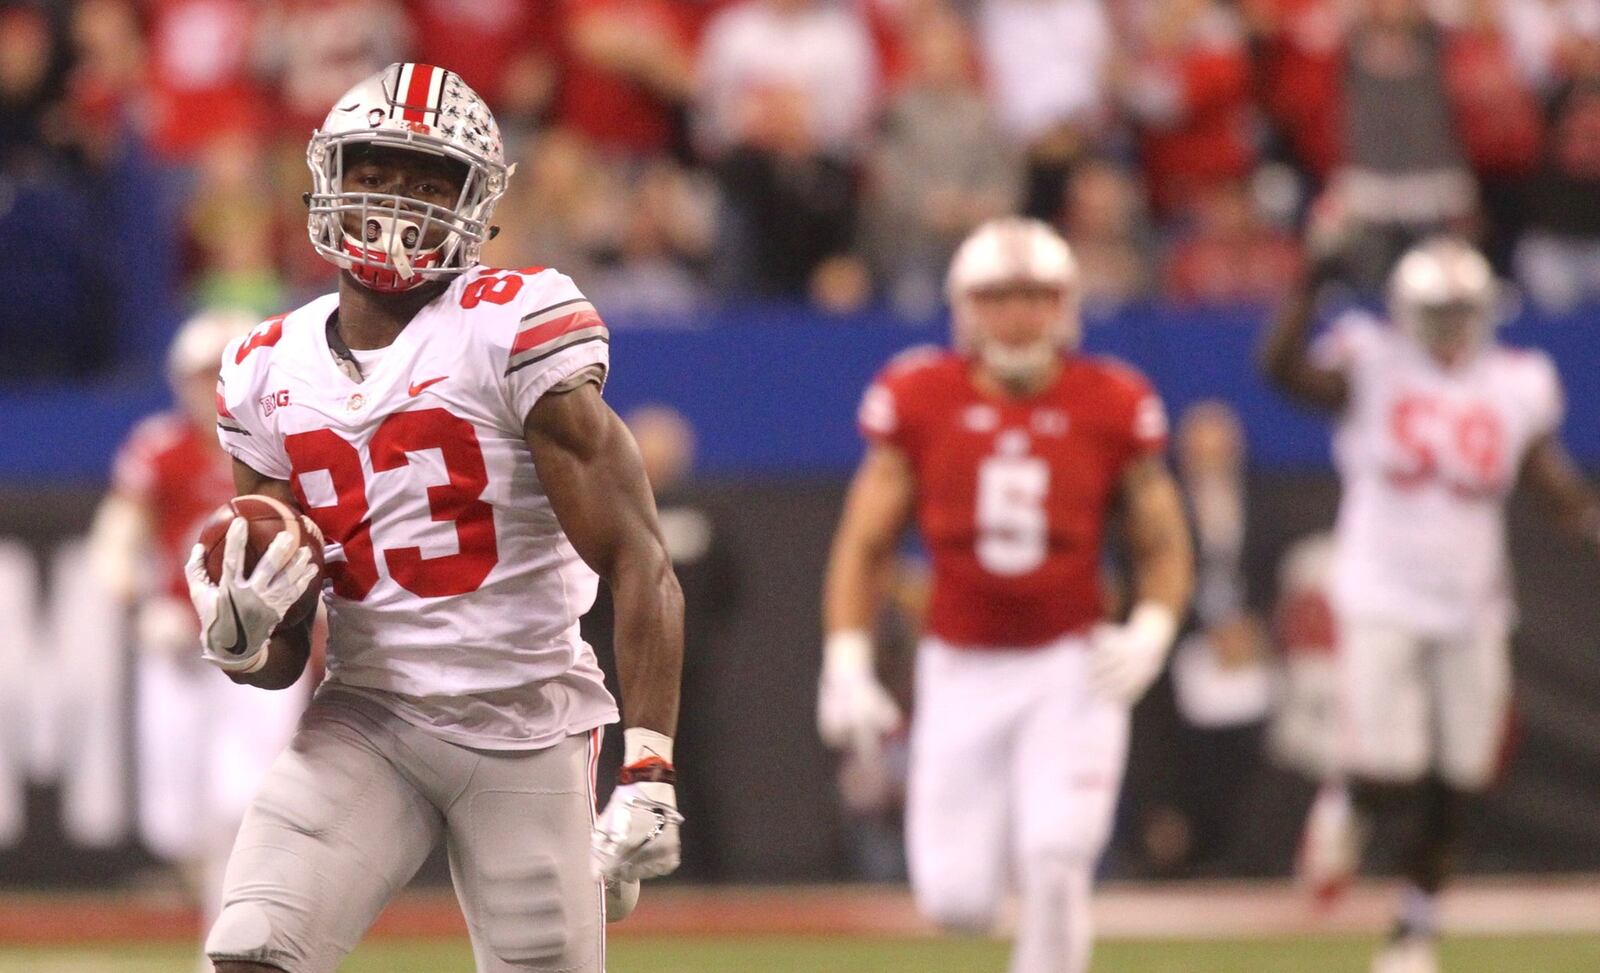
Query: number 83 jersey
x=455, y=595
x=1013, y=495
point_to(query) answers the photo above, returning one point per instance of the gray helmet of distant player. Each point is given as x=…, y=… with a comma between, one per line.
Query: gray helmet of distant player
x=1443, y=293
x=417, y=108
x=197, y=347
x=1005, y=251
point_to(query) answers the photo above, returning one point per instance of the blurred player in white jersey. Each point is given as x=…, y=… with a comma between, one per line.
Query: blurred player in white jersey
x=1436, y=423
x=1011, y=451
x=204, y=743
x=441, y=423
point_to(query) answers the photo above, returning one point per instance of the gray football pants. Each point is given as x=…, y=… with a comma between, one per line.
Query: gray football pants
x=351, y=809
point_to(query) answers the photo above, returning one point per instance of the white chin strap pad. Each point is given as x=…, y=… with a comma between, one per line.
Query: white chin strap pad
x=394, y=237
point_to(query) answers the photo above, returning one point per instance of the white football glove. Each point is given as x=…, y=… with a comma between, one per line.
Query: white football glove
x=1125, y=659
x=238, y=614
x=854, y=711
x=636, y=835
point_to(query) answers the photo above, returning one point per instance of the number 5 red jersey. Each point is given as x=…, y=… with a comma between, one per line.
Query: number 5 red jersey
x=1013, y=495
x=454, y=592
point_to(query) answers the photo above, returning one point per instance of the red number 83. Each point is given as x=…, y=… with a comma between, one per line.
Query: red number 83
x=349, y=521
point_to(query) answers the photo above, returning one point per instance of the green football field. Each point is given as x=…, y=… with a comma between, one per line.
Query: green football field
x=1554, y=954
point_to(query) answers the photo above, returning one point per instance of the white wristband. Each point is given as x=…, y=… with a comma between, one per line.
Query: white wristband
x=639, y=744
x=1154, y=622
x=848, y=651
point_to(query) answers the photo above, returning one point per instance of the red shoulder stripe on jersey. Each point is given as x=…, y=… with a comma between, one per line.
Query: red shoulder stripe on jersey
x=416, y=98
x=555, y=322
x=264, y=336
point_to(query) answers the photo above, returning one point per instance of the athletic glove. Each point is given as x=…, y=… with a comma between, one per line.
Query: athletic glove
x=1125, y=659
x=637, y=833
x=238, y=614
x=854, y=711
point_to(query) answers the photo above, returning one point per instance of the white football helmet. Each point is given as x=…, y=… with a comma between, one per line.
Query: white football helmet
x=1443, y=293
x=199, y=343
x=419, y=108
x=1012, y=250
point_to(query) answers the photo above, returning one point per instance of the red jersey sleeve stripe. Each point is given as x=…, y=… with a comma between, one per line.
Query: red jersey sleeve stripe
x=222, y=407
x=553, y=323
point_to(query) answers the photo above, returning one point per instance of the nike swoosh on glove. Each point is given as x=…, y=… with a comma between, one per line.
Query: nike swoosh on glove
x=239, y=613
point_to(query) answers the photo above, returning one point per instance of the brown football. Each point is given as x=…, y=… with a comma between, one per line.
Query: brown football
x=267, y=518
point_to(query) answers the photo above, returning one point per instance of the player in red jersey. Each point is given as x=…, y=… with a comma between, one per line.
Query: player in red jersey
x=1011, y=451
x=204, y=743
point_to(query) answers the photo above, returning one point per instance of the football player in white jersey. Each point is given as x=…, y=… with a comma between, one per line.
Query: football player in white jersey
x=441, y=423
x=1436, y=422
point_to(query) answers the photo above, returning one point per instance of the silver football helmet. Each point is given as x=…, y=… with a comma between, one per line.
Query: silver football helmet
x=417, y=108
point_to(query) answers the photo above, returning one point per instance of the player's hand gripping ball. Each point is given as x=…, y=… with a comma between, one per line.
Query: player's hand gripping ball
x=257, y=568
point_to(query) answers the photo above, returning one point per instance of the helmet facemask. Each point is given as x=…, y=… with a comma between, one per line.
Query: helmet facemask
x=1016, y=363
x=399, y=242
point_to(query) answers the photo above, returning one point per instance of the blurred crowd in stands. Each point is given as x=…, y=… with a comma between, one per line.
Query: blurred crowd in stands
x=672, y=151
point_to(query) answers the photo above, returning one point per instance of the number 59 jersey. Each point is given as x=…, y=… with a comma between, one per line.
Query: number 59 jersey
x=455, y=595
x=1427, y=456
x=1013, y=495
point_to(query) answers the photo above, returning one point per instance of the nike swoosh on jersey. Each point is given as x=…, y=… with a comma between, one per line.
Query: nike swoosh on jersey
x=416, y=387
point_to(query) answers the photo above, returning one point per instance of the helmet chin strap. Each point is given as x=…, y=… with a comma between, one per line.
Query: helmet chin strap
x=1017, y=366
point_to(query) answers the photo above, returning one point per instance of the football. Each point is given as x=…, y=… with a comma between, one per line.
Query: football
x=267, y=517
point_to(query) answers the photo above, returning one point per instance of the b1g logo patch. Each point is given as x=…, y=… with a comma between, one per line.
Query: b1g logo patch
x=274, y=401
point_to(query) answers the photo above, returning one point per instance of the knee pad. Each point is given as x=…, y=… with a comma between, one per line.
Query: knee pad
x=243, y=932
x=958, y=907
x=1057, y=869
x=524, y=914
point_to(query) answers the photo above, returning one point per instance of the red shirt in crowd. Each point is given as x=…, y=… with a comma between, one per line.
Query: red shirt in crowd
x=1257, y=269
x=1301, y=61
x=200, y=82
x=480, y=39
x=1209, y=143
x=616, y=112
x=1495, y=113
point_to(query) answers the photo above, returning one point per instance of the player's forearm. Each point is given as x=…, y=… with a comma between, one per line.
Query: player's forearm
x=649, y=639
x=117, y=543
x=1282, y=356
x=1572, y=500
x=1165, y=577
x=287, y=653
x=854, y=587
x=1159, y=540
